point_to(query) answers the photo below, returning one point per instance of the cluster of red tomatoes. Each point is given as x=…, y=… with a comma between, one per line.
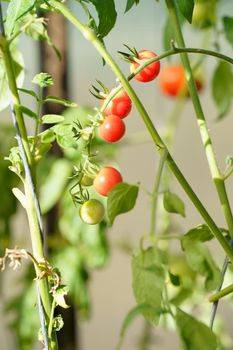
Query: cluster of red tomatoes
x=112, y=128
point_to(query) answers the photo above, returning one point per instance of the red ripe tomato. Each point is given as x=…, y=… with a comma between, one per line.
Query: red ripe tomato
x=172, y=80
x=120, y=105
x=106, y=179
x=150, y=72
x=112, y=129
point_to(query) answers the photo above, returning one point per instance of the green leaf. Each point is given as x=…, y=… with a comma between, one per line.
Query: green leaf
x=199, y=257
x=121, y=199
x=59, y=296
x=186, y=8
x=27, y=111
x=130, y=4
x=107, y=15
x=60, y=101
x=228, y=28
x=16, y=10
x=222, y=88
x=29, y=92
x=53, y=187
x=148, y=280
x=173, y=204
x=43, y=80
x=47, y=136
x=58, y=323
x=194, y=334
x=132, y=314
x=52, y=119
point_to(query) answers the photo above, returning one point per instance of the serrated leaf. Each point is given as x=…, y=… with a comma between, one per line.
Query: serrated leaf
x=52, y=119
x=148, y=277
x=199, y=257
x=15, y=10
x=121, y=199
x=194, y=334
x=60, y=101
x=130, y=4
x=186, y=8
x=222, y=89
x=228, y=28
x=53, y=187
x=132, y=314
x=173, y=204
x=107, y=15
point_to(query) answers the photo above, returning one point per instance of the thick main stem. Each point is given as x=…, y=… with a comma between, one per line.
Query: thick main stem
x=31, y=199
x=90, y=35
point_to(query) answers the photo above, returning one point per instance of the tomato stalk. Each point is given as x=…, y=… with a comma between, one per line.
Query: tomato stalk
x=160, y=145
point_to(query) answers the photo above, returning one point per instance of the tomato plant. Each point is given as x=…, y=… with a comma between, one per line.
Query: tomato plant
x=106, y=179
x=112, y=129
x=53, y=165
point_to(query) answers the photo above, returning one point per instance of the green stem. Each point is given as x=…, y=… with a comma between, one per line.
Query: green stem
x=40, y=103
x=146, y=337
x=225, y=291
x=206, y=139
x=37, y=247
x=50, y=328
x=155, y=196
x=90, y=35
x=38, y=254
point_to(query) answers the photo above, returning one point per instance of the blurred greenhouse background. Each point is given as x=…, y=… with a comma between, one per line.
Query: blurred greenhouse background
x=110, y=287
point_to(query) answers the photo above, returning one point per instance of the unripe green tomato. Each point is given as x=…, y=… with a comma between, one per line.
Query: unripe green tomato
x=92, y=212
x=86, y=181
x=204, y=13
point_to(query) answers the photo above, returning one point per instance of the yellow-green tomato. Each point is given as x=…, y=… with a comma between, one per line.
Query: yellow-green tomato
x=92, y=212
x=87, y=181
